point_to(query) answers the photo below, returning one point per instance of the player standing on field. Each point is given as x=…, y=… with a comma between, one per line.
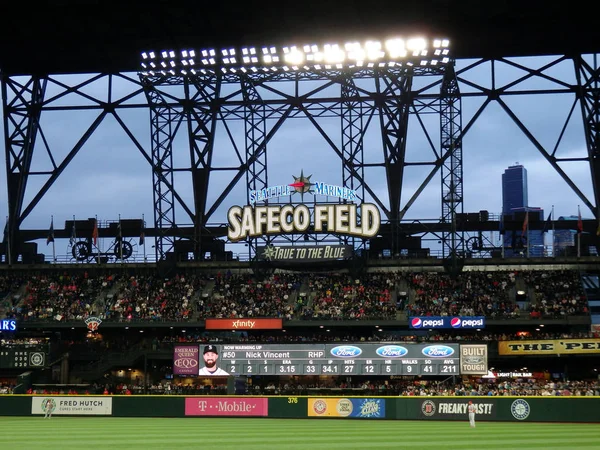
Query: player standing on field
x=471, y=410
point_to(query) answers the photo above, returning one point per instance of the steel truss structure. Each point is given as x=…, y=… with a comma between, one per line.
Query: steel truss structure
x=196, y=105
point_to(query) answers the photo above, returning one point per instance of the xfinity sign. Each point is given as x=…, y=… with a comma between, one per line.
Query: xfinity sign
x=434, y=322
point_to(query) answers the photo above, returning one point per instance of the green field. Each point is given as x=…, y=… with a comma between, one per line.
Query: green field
x=113, y=433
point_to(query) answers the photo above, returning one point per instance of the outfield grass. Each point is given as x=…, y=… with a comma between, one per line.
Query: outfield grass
x=113, y=433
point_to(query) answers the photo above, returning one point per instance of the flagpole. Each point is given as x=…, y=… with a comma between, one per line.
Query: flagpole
x=144, y=228
x=527, y=234
x=553, y=240
x=120, y=240
x=53, y=243
x=578, y=232
x=96, y=239
x=8, y=252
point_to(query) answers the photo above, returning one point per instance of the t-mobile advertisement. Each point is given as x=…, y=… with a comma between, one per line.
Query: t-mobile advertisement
x=185, y=360
x=226, y=406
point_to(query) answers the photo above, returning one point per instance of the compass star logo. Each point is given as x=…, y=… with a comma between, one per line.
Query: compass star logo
x=302, y=185
x=269, y=252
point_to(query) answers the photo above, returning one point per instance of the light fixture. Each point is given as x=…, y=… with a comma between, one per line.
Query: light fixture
x=354, y=55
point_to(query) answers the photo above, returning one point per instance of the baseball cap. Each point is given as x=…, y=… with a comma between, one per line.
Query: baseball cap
x=210, y=348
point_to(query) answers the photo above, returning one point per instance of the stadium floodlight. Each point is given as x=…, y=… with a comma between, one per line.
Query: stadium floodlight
x=389, y=52
x=294, y=56
x=373, y=50
x=333, y=54
x=395, y=48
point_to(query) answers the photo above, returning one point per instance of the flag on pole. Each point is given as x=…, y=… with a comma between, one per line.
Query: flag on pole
x=525, y=224
x=142, y=237
x=579, y=221
x=548, y=223
x=50, y=237
x=119, y=234
x=95, y=233
x=73, y=234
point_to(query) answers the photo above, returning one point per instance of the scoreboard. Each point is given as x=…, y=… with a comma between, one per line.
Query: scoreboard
x=382, y=358
x=23, y=356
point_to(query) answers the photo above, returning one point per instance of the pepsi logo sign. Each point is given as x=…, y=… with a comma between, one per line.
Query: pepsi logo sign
x=438, y=351
x=345, y=351
x=457, y=322
x=391, y=351
x=417, y=322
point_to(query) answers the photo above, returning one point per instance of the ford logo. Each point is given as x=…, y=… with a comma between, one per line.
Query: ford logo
x=344, y=351
x=391, y=351
x=473, y=359
x=438, y=351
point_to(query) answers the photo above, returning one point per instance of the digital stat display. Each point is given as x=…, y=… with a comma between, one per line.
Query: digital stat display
x=341, y=359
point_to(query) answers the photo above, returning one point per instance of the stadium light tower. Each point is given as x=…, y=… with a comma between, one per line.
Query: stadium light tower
x=391, y=63
x=393, y=52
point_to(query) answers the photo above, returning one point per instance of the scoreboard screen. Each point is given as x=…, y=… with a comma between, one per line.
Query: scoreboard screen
x=23, y=356
x=384, y=358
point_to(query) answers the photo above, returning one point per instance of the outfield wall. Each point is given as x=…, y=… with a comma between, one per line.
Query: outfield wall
x=507, y=409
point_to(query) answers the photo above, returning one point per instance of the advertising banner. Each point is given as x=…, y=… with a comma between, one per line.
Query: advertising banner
x=226, y=406
x=455, y=409
x=436, y=322
x=243, y=324
x=185, y=359
x=473, y=359
x=366, y=408
x=304, y=253
x=549, y=347
x=71, y=405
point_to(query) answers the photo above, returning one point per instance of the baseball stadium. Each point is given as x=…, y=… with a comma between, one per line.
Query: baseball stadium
x=314, y=225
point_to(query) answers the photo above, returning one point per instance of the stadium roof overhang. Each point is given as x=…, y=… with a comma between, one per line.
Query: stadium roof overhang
x=64, y=37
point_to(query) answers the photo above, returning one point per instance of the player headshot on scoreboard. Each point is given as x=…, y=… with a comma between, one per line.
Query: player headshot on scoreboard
x=211, y=355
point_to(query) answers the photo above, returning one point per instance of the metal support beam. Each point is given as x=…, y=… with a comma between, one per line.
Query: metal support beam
x=201, y=112
x=588, y=87
x=354, y=121
x=21, y=112
x=164, y=122
x=394, y=103
x=255, y=130
x=452, y=168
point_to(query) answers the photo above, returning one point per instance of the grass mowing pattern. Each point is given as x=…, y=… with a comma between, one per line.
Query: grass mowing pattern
x=111, y=433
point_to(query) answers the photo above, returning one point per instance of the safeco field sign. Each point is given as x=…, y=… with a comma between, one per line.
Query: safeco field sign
x=74, y=406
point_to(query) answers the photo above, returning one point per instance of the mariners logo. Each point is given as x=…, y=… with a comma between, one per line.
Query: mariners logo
x=48, y=405
x=428, y=408
x=36, y=359
x=520, y=409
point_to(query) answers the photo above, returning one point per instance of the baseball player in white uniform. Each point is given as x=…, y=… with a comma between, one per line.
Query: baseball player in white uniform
x=471, y=410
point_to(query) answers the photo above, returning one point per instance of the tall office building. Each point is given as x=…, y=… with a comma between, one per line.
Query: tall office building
x=514, y=209
x=514, y=188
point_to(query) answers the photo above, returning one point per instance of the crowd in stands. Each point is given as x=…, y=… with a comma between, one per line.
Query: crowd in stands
x=153, y=298
x=472, y=294
x=558, y=293
x=61, y=297
x=298, y=296
x=298, y=386
x=242, y=295
x=341, y=297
